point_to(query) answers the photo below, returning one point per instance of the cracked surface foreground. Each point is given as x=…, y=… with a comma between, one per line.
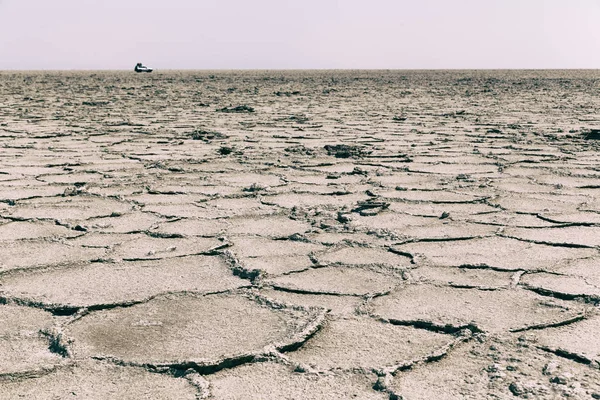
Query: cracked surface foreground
x=373, y=235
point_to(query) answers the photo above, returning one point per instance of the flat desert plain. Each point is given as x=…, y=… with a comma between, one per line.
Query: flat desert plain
x=300, y=235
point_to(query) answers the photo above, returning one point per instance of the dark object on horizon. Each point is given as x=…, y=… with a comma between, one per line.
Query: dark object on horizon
x=238, y=109
x=139, y=67
x=225, y=150
x=207, y=136
x=593, y=134
x=370, y=204
x=95, y=103
x=288, y=94
x=346, y=151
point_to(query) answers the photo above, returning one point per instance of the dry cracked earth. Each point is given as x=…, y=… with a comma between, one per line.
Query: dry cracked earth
x=300, y=235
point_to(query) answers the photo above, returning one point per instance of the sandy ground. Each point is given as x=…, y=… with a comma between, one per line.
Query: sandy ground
x=300, y=235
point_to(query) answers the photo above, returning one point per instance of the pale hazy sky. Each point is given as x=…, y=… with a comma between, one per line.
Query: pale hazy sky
x=273, y=34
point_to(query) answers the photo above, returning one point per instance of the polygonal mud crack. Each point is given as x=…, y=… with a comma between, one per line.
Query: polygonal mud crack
x=431, y=196
x=192, y=227
x=20, y=355
x=234, y=207
x=580, y=217
x=454, y=169
x=31, y=254
x=335, y=304
x=261, y=247
x=535, y=203
x=338, y=280
x=495, y=252
x=273, y=256
x=578, y=341
x=98, y=381
x=126, y=223
x=566, y=236
x=205, y=332
x=364, y=256
x=415, y=227
x=369, y=344
x=69, y=209
x=149, y=248
x=99, y=285
x=499, y=370
x=564, y=287
x=276, y=381
x=20, y=230
x=276, y=265
x=493, y=311
x=22, y=347
x=273, y=226
x=463, y=277
x=291, y=200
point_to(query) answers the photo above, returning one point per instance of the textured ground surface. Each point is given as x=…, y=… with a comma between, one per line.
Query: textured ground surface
x=322, y=235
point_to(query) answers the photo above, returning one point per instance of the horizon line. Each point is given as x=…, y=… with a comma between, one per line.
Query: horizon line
x=300, y=69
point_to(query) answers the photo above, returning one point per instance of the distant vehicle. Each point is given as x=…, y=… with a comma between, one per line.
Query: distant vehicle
x=139, y=67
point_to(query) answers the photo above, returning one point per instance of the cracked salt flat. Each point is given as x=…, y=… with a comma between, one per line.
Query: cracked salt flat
x=334, y=303
x=584, y=236
x=498, y=369
x=23, y=347
x=281, y=381
x=349, y=343
x=126, y=223
x=22, y=355
x=19, y=230
x=188, y=329
x=32, y=254
x=463, y=277
x=151, y=248
x=106, y=284
x=363, y=256
x=582, y=287
x=338, y=280
x=363, y=236
x=490, y=311
x=67, y=209
x=579, y=340
x=495, y=253
x=98, y=381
